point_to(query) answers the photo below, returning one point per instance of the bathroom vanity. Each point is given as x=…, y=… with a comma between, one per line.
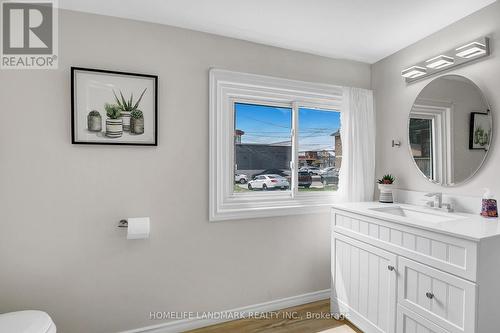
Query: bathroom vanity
x=411, y=269
x=408, y=269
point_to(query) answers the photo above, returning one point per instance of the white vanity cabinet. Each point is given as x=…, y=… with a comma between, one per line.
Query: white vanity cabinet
x=401, y=277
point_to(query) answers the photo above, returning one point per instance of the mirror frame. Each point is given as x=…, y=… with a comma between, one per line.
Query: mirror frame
x=488, y=105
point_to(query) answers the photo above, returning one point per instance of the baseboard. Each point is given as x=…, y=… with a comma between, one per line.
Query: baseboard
x=190, y=324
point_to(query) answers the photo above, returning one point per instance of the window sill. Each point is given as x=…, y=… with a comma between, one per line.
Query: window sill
x=249, y=207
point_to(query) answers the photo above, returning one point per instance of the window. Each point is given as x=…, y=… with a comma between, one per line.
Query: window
x=275, y=145
x=263, y=146
x=318, y=131
x=421, y=145
x=431, y=141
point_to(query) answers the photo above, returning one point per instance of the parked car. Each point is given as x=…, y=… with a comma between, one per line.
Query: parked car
x=280, y=172
x=310, y=169
x=305, y=179
x=268, y=182
x=240, y=178
x=331, y=177
x=326, y=170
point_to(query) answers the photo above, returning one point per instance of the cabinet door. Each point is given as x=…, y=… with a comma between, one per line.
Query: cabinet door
x=442, y=298
x=364, y=284
x=410, y=322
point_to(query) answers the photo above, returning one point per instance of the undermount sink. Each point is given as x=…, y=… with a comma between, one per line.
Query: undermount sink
x=417, y=215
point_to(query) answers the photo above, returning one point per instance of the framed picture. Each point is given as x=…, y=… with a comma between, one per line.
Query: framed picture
x=113, y=108
x=480, y=131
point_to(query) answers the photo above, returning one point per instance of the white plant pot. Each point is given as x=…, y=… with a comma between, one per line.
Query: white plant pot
x=386, y=193
x=114, y=128
x=125, y=116
x=386, y=187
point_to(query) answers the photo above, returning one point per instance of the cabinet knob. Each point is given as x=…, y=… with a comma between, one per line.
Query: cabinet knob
x=390, y=267
x=429, y=295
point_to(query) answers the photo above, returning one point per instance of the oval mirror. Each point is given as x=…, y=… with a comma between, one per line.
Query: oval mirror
x=450, y=130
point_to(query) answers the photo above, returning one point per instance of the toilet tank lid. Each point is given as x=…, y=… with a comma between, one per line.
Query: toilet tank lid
x=29, y=321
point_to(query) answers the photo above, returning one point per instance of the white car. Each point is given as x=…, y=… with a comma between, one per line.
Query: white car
x=240, y=178
x=310, y=169
x=326, y=170
x=268, y=182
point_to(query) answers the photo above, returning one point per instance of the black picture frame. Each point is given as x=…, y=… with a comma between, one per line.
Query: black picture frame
x=472, y=123
x=74, y=139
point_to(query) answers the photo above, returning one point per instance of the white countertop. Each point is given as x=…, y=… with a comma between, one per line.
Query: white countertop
x=469, y=226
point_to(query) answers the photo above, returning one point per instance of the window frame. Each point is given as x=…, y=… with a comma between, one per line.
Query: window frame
x=226, y=89
x=440, y=114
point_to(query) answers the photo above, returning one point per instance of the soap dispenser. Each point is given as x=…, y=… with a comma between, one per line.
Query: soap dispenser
x=489, y=205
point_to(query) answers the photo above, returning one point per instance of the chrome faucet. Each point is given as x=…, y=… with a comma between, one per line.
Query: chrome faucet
x=438, y=202
x=438, y=199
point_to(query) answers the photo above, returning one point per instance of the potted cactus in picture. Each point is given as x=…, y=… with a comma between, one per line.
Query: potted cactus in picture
x=127, y=106
x=114, y=124
x=94, y=121
x=386, y=185
x=137, y=122
x=481, y=137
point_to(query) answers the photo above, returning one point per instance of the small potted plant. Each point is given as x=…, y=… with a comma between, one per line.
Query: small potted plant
x=94, y=121
x=114, y=124
x=137, y=122
x=127, y=106
x=386, y=185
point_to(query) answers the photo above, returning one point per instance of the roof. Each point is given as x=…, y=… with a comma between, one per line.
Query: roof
x=336, y=133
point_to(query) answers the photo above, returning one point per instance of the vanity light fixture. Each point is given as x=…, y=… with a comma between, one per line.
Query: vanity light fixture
x=471, y=50
x=413, y=72
x=440, y=61
x=458, y=56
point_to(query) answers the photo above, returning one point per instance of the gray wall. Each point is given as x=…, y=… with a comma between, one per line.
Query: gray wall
x=60, y=249
x=394, y=100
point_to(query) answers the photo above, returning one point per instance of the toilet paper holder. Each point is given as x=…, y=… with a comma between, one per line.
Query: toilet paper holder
x=123, y=224
x=137, y=227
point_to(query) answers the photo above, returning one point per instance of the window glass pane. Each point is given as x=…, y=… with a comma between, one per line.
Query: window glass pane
x=320, y=150
x=421, y=145
x=263, y=147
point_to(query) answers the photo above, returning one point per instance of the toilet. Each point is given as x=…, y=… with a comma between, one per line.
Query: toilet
x=30, y=321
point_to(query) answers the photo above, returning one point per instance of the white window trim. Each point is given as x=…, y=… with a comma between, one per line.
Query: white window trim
x=440, y=112
x=225, y=88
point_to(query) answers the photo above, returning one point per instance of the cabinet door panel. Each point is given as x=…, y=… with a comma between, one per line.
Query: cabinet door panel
x=364, y=286
x=410, y=322
x=444, y=299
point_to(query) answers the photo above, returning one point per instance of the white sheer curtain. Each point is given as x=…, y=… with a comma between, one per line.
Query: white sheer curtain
x=357, y=171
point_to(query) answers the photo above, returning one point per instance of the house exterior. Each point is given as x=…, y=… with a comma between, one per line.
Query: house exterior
x=320, y=159
x=337, y=143
x=252, y=156
x=237, y=136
